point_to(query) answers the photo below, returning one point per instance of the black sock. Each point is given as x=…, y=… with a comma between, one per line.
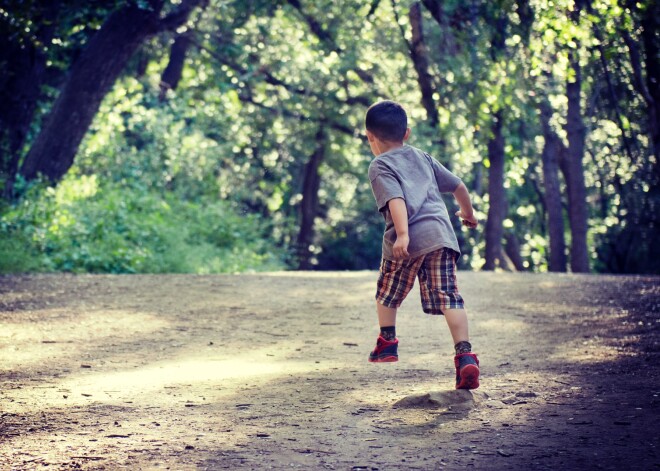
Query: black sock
x=463, y=347
x=388, y=333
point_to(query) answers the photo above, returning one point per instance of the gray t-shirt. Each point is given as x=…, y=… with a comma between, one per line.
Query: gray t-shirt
x=415, y=176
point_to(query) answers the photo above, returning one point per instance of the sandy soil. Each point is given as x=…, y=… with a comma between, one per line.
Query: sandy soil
x=269, y=371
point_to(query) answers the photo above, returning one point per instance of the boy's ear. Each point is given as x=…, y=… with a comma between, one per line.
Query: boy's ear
x=407, y=134
x=370, y=136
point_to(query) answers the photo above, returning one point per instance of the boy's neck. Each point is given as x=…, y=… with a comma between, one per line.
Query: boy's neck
x=386, y=146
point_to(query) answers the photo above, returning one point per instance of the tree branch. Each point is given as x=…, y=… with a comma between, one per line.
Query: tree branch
x=180, y=16
x=270, y=79
x=420, y=60
x=298, y=116
x=635, y=61
x=612, y=91
x=315, y=26
x=277, y=82
x=326, y=38
x=403, y=31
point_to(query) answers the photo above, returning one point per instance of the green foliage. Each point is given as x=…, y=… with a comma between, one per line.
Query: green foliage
x=83, y=226
x=184, y=182
x=17, y=253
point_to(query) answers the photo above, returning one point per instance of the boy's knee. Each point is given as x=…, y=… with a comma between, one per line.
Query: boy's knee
x=433, y=311
x=392, y=302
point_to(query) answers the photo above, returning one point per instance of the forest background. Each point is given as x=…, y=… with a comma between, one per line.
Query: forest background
x=206, y=136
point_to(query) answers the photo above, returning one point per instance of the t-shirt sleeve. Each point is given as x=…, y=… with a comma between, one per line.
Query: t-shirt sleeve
x=447, y=181
x=384, y=184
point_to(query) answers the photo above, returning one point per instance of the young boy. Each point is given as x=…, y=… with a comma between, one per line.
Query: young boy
x=419, y=240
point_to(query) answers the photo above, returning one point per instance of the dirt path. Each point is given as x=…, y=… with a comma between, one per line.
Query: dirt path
x=270, y=371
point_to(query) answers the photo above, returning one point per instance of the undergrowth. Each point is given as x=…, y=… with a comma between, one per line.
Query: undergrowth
x=83, y=226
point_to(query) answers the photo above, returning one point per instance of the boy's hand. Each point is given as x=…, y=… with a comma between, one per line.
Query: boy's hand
x=470, y=222
x=400, y=247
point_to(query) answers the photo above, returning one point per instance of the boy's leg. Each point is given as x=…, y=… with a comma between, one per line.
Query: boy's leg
x=395, y=280
x=386, y=316
x=466, y=362
x=440, y=295
x=458, y=324
x=387, y=344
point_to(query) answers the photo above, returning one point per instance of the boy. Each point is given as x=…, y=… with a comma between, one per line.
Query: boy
x=419, y=239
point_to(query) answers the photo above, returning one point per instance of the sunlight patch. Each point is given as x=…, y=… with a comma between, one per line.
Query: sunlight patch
x=503, y=325
x=61, y=335
x=162, y=383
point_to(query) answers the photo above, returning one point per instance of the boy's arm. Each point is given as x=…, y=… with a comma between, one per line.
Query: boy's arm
x=397, y=207
x=467, y=212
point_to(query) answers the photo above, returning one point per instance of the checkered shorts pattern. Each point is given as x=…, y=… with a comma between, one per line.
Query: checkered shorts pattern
x=437, y=281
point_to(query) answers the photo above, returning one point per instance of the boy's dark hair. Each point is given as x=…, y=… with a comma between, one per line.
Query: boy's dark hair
x=387, y=120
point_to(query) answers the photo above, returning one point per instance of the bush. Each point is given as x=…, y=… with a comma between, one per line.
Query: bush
x=83, y=226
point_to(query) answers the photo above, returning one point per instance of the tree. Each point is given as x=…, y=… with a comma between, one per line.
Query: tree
x=497, y=208
x=551, y=155
x=309, y=205
x=35, y=39
x=171, y=75
x=650, y=21
x=519, y=99
x=90, y=79
x=563, y=54
x=574, y=170
x=497, y=197
x=420, y=60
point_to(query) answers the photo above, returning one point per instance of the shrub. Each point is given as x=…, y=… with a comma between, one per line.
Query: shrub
x=83, y=226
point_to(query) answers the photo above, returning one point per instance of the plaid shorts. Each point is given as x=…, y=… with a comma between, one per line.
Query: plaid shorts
x=437, y=281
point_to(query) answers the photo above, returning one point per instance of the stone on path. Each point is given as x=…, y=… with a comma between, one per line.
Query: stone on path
x=460, y=399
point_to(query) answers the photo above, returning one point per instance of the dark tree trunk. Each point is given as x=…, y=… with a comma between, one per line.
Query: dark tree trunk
x=172, y=73
x=419, y=56
x=89, y=80
x=651, y=43
x=19, y=99
x=577, y=192
x=512, y=250
x=496, y=194
x=551, y=156
x=309, y=206
x=20, y=90
x=435, y=8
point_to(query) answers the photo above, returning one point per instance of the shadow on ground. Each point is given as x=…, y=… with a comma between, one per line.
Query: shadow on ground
x=269, y=370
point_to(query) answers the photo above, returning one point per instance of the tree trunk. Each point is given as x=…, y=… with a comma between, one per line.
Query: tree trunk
x=652, y=61
x=496, y=194
x=172, y=73
x=19, y=97
x=419, y=56
x=577, y=192
x=550, y=156
x=20, y=91
x=89, y=80
x=309, y=206
x=512, y=250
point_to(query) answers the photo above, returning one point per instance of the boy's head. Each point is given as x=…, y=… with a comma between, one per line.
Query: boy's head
x=387, y=121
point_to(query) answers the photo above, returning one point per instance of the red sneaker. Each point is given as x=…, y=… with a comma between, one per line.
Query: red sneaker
x=385, y=351
x=467, y=371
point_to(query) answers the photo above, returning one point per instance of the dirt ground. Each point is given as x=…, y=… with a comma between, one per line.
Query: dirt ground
x=270, y=371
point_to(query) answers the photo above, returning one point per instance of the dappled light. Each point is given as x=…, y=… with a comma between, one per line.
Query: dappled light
x=151, y=385
x=59, y=336
x=234, y=139
x=505, y=325
x=270, y=370
x=192, y=213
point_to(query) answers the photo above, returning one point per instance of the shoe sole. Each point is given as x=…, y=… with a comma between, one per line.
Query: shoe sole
x=387, y=359
x=469, y=377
